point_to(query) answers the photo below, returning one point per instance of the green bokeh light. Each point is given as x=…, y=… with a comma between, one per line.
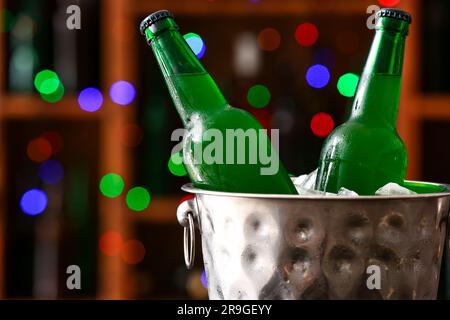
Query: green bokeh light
x=347, y=84
x=138, y=199
x=176, y=166
x=111, y=185
x=258, y=96
x=46, y=81
x=54, y=96
x=48, y=86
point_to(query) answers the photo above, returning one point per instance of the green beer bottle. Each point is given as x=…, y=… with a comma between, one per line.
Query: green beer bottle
x=208, y=118
x=366, y=152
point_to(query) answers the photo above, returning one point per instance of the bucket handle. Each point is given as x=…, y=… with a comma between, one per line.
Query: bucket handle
x=186, y=213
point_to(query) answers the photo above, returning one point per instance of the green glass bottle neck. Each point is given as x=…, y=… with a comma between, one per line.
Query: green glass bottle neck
x=192, y=89
x=378, y=94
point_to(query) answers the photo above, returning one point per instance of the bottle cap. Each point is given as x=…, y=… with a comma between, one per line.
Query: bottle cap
x=154, y=17
x=394, y=14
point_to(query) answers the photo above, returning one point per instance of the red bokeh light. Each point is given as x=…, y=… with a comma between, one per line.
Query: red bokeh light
x=39, y=149
x=389, y=3
x=111, y=243
x=322, y=124
x=133, y=252
x=55, y=140
x=306, y=34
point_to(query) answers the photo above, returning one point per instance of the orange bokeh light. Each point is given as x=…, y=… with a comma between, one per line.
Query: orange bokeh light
x=111, y=243
x=269, y=39
x=133, y=252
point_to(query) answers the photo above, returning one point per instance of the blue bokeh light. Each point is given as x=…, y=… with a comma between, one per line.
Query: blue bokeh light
x=196, y=43
x=90, y=99
x=318, y=76
x=51, y=171
x=33, y=202
x=122, y=92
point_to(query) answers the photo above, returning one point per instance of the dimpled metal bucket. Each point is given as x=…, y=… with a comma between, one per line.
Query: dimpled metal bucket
x=307, y=247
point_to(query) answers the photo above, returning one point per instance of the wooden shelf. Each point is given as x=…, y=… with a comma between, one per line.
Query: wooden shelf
x=31, y=106
x=436, y=107
x=162, y=210
x=245, y=8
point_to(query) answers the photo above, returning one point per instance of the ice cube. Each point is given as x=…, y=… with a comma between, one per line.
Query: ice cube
x=393, y=189
x=346, y=192
x=309, y=192
x=306, y=181
x=298, y=181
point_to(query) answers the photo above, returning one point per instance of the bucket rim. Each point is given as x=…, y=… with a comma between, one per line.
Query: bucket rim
x=188, y=187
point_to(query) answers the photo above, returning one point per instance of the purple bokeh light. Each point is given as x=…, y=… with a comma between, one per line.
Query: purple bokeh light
x=122, y=92
x=90, y=99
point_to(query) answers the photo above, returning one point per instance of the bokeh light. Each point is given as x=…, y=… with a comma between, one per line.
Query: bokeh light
x=23, y=59
x=258, y=96
x=318, y=76
x=54, y=96
x=204, y=280
x=51, y=171
x=90, y=99
x=306, y=34
x=347, y=84
x=131, y=135
x=55, y=140
x=46, y=82
x=269, y=39
x=388, y=3
x=111, y=243
x=49, y=86
x=33, y=202
x=322, y=124
x=176, y=166
x=138, y=199
x=133, y=252
x=24, y=27
x=196, y=43
x=111, y=185
x=39, y=149
x=122, y=92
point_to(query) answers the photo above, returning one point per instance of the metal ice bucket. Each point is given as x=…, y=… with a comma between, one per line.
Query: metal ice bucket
x=307, y=247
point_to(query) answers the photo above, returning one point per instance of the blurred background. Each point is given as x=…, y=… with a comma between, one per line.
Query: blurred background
x=86, y=176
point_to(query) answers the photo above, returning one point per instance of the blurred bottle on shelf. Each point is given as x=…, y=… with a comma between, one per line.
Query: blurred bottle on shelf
x=202, y=107
x=24, y=57
x=366, y=152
